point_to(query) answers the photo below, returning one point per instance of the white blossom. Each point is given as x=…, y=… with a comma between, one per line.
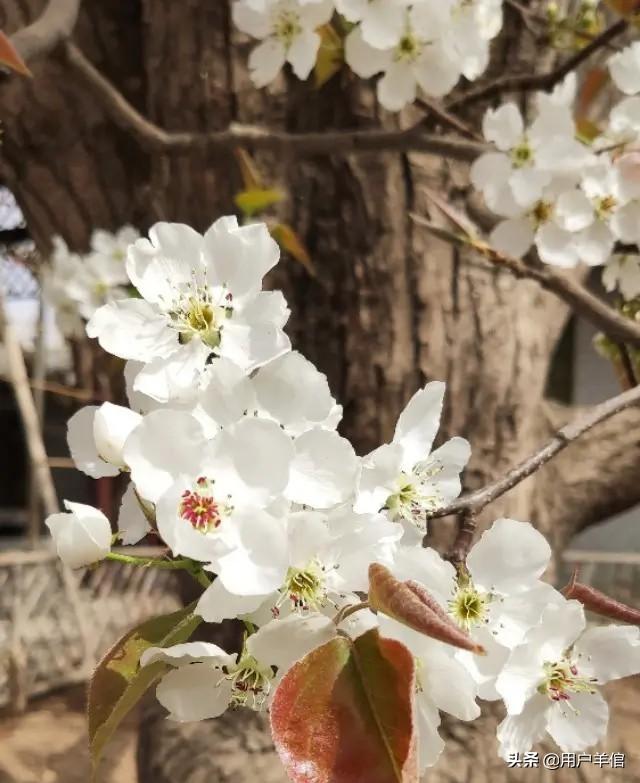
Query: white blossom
x=82, y=534
x=287, y=31
x=622, y=272
x=405, y=478
x=550, y=682
x=200, y=296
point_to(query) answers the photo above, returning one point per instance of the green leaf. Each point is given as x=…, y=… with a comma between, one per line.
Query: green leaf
x=330, y=55
x=10, y=58
x=250, y=202
x=118, y=682
x=289, y=240
x=344, y=713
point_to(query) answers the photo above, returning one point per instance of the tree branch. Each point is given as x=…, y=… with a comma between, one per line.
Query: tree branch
x=572, y=494
x=573, y=294
x=54, y=25
x=328, y=142
x=539, y=81
x=474, y=502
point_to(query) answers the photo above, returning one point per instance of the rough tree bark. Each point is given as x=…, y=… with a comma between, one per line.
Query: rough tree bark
x=390, y=308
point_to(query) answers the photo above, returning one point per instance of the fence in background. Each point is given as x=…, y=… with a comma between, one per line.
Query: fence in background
x=55, y=623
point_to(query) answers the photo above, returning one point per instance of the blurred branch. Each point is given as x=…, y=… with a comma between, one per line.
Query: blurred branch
x=474, y=502
x=327, y=142
x=54, y=25
x=539, y=81
x=581, y=300
x=574, y=492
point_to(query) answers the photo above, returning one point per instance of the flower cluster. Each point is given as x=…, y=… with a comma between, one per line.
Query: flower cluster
x=235, y=463
x=576, y=198
x=76, y=286
x=411, y=43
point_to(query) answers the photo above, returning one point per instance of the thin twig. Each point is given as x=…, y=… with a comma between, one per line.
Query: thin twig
x=324, y=142
x=54, y=25
x=475, y=502
x=580, y=299
x=538, y=81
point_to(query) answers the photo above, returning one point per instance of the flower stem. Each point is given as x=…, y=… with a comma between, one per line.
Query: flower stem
x=180, y=564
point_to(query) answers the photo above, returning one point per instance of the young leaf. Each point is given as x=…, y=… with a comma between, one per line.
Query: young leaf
x=255, y=200
x=410, y=604
x=330, y=55
x=289, y=240
x=600, y=603
x=344, y=713
x=10, y=58
x=118, y=682
x=248, y=169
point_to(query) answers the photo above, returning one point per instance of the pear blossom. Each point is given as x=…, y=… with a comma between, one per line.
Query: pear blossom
x=96, y=436
x=622, y=272
x=200, y=296
x=289, y=390
x=496, y=597
x=82, y=534
x=550, y=681
x=205, y=681
x=382, y=22
x=442, y=685
x=415, y=61
x=114, y=245
x=528, y=159
x=327, y=558
x=287, y=31
x=405, y=478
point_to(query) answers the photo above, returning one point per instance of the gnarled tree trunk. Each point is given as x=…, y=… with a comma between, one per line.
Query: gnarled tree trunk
x=390, y=307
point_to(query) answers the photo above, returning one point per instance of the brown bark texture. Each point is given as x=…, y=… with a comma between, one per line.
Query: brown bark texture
x=390, y=306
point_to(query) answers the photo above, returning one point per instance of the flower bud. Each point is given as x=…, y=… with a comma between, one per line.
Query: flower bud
x=82, y=535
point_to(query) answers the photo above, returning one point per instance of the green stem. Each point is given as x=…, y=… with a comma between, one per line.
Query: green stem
x=183, y=564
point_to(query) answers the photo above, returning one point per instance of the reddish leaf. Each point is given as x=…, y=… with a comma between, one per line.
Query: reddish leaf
x=410, y=604
x=10, y=58
x=118, y=681
x=344, y=713
x=600, y=603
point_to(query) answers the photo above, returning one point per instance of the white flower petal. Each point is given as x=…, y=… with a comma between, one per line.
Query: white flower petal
x=323, y=470
x=510, y=556
x=364, y=59
x=266, y=61
x=188, y=652
x=397, y=87
x=556, y=246
x=283, y=642
x=238, y=257
x=217, y=604
x=156, y=457
x=226, y=393
x=574, y=211
x=258, y=563
x=609, y=652
x=517, y=734
x=377, y=478
x=82, y=536
x=132, y=523
x=624, y=67
x=293, y=391
x=132, y=329
x=436, y=72
x=503, y=126
x=112, y=425
x=418, y=423
x=303, y=52
x=194, y=692
x=82, y=445
x=581, y=723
